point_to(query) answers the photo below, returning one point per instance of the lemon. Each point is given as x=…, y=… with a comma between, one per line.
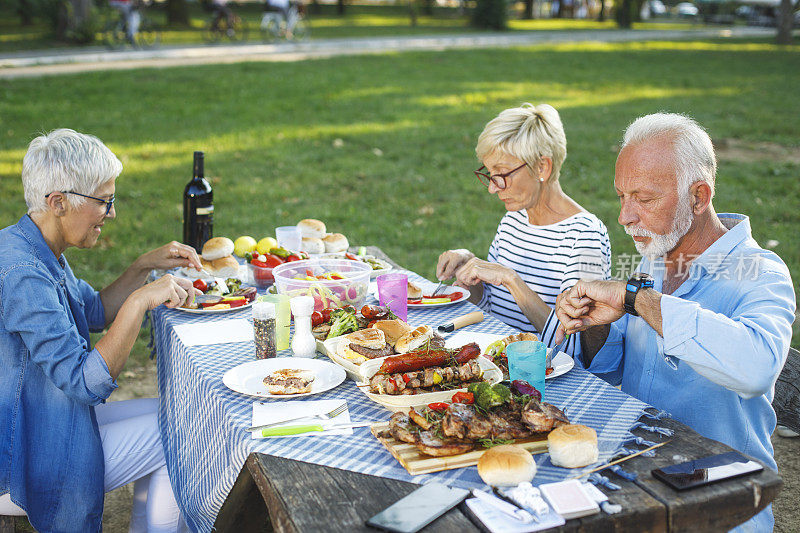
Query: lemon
x=244, y=244
x=266, y=244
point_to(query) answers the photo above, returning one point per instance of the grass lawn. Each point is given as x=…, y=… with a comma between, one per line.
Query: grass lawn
x=359, y=21
x=382, y=147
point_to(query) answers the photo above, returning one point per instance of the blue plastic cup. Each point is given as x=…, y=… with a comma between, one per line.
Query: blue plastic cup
x=527, y=360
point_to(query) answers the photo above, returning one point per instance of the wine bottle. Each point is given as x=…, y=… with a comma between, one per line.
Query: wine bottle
x=198, y=207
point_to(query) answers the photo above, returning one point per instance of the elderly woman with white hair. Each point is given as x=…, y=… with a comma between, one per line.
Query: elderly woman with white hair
x=61, y=446
x=546, y=241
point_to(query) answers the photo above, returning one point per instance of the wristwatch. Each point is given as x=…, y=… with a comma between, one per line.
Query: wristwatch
x=636, y=283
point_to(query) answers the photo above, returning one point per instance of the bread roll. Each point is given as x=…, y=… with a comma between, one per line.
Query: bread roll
x=313, y=245
x=311, y=227
x=572, y=446
x=392, y=329
x=414, y=291
x=217, y=248
x=289, y=381
x=335, y=243
x=413, y=339
x=520, y=337
x=506, y=466
x=191, y=273
x=225, y=267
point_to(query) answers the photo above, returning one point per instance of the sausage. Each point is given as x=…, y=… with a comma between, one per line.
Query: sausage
x=417, y=360
x=375, y=312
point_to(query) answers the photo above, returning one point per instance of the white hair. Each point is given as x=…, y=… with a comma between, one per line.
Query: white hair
x=694, y=152
x=528, y=133
x=65, y=160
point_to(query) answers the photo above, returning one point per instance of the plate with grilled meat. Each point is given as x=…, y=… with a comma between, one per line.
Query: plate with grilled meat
x=425, y=375
x=445, y=436
x=283, y=377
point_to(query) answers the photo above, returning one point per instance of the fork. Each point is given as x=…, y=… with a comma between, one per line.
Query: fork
x=324, y=416
x=438, y=288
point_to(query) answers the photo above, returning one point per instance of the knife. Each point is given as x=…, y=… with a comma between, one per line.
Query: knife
x=296, y=430
x=551, y=353
x=460, y=322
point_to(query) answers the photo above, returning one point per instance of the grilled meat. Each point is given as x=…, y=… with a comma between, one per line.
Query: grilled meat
x=402, y=429
x=419, y=420
x=371, y=353
x=508, y=426
x=431, y=444
x=542, y=416
x=436, y=342
x=424, y=380
x=465, y=422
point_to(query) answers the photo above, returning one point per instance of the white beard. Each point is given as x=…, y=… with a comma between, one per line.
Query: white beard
x=660, y=245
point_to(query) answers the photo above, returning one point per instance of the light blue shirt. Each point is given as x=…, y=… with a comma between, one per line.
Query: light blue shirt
x=726, y=334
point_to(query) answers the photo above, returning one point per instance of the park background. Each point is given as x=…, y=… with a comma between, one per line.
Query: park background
x=381, y=147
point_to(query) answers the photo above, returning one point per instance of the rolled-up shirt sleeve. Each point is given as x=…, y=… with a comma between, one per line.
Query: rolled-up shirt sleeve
x=31, y=307
x=743, y=352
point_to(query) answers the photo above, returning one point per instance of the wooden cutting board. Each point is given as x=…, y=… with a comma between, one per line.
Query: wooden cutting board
x=418, y=463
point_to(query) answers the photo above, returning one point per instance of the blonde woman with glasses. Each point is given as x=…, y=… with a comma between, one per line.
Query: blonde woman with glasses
x=546, y=241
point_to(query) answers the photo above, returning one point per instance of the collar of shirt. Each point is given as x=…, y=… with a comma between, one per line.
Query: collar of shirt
x=34, y=236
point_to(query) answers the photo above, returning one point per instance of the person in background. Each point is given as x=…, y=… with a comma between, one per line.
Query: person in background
x=61, y=445
x=222, y=11
x=129, y=10
x=703, y=328
x=546, y=241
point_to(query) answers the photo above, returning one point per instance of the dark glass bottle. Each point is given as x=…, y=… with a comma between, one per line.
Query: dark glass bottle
x=198, y=208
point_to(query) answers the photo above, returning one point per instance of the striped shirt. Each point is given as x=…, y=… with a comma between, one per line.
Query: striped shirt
x=549, y=259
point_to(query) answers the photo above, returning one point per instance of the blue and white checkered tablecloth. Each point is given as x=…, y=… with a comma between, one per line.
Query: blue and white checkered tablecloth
x=202, y=422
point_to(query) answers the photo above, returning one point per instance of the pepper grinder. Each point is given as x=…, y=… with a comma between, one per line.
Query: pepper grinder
x=303, y=342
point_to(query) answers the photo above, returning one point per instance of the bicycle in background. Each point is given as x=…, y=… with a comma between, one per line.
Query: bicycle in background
x=224, y=24
x=130, y=25
x=288, y=23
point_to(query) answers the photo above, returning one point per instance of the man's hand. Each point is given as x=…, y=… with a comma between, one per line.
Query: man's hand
x=450, y=261
x=169, y=256
x=589, y=303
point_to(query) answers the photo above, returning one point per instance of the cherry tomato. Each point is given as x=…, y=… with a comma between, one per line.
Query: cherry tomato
x=273, y=260
x=316, y=319
x=257, y=262
x=200, y=285
x=463, y=397
x=326, y=314
x=292, y=257
x=438, y=406
x=548, y=371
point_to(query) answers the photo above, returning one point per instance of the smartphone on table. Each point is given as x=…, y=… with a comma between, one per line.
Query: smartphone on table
x=418, y=509
x=701, y=472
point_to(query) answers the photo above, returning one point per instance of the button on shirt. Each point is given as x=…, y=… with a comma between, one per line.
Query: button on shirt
x=51, y=456
x=727, y=331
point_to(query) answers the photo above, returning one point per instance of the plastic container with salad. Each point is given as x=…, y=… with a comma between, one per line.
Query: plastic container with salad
x=331, y=282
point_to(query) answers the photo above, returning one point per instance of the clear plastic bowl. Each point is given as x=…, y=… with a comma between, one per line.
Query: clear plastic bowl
x=261, y=277
x=291, y=279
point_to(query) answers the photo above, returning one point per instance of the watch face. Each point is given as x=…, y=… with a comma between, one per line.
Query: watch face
x=631, y=287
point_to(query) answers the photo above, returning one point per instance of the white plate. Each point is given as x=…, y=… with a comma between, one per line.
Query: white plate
x=248, y=378
x=447, y=289
x=375, y=272
x=213, y=311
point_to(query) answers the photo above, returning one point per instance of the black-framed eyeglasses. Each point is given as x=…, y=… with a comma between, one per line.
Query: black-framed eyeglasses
x=109, y=203
x=499, y=180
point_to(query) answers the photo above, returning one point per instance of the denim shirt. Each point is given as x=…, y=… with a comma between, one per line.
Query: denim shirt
x=726, y=334
x=51, y=456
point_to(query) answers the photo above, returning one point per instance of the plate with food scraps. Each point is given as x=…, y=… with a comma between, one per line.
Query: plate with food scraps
x=447, y=295
x=212, y=303
x=248, y=378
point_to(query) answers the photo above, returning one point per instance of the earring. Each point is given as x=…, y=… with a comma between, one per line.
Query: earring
x=541, y=180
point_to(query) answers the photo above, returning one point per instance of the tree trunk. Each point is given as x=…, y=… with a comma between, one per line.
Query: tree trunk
x=601, y=15
x=73, y=16
x=25, y=12
x=624, y=18
x=412, y=12
x=785, y=22
x=340, y=7
x=177, y=13
x=528, y=13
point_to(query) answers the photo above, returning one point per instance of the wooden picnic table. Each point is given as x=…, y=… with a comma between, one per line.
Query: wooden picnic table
x=273, y=493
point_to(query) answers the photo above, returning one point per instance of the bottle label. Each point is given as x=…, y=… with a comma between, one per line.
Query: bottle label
x=205, y=210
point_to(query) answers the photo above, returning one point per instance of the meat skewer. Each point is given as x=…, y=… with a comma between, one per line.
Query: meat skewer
x=424, y=380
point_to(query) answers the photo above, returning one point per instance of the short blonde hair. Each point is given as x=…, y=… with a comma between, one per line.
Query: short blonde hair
x=528, y=133
x=65, y=160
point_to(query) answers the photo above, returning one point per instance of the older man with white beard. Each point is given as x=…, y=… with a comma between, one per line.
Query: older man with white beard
x=703, y=328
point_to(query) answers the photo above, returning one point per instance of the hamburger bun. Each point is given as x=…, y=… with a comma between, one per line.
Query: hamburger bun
x=572, y=446
x=335, y=243
x=506, y=466
x=368, y=338
x=217, y=248
x=191, y=273
x=414, y=291
x=520, y=337
x=392, y=329
x=313, y=245
x=224, y=267
x=311, y=227
x=289, y=381
x=414, y=339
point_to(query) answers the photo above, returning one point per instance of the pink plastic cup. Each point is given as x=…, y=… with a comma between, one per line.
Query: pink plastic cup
x=393, y=291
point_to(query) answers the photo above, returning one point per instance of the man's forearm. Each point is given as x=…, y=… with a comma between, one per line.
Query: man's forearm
x=592, y=340
x=648, y=305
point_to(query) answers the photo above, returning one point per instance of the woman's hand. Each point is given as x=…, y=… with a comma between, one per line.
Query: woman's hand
x=169, y=256
x=167, y=290
x=450, y=261
x=477, y=270
x=590, y=303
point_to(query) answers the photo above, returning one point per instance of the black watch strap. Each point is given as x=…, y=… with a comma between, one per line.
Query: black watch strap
x=636, y=283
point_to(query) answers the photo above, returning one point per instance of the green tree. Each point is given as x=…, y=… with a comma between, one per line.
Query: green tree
x=177, y=12
x=491, y=14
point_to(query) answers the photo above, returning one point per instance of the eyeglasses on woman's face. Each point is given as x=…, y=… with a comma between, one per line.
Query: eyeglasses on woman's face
x=109, y=202
x=499, y=180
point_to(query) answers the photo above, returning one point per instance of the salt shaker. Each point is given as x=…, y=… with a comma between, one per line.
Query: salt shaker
x=303, y=342
x=264, y=329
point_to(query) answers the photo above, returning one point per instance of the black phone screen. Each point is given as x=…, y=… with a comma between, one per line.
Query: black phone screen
x=418, y=509
x=706, y=470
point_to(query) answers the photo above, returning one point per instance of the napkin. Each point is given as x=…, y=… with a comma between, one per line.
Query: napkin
x=215, y=332
x=268, y=413
x=497, y=522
